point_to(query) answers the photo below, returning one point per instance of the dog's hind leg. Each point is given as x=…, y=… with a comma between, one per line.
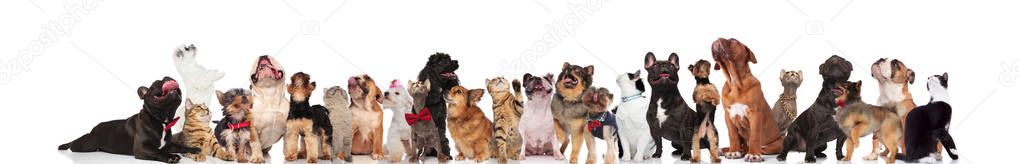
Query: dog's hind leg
x=792, y=139
x=696, y=147
x=876, y=147
x=311, y=147
x=85, y=143
x=713, y=147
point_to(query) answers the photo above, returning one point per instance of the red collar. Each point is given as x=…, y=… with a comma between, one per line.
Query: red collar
x=239, y=125
x=424, y=115
x=170, y=124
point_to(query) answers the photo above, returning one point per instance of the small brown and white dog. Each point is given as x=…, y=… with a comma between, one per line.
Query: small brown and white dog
x=366, y=109
x=600, y=122
x=270, y=106
x=752, y=126
x=858, y=119
x=471, y=130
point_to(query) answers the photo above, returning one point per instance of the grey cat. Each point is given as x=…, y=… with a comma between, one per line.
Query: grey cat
x=338, y=102
x=785, y=108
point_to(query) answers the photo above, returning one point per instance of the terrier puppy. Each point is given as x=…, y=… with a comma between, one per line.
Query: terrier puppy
x=858, y=119
x=507, y=108
x=235, y=131
x=198, y=80
x=308, y=122
x=425, y=134
x=399, y=101
x=338, y=103
x=472, y=131
x=785, y=107
x=539, y=138
x=600, y=122
x=634, y=130
x=705, y=95
x=366, y=109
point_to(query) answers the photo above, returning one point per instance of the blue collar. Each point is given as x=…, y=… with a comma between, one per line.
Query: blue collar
x=633, y=97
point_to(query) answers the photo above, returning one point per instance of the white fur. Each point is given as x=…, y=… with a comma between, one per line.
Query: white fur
x=631, y=117
x=196, y=79
x=738, y=110
x=270, y=108
x=537, y=131
x=399, y=130
x=938, y=93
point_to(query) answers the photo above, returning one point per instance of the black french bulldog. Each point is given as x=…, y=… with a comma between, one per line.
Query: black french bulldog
x=440, y=72
x=681, y=120
x=140, y=134
x=815, y=127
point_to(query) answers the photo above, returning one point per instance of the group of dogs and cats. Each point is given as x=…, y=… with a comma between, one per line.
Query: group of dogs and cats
x=538, y=115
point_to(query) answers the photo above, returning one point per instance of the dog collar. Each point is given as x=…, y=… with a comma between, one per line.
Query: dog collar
x=424, y=115
x=239, y=125
x=702, y=80
x=633, y=97
x=170, y=124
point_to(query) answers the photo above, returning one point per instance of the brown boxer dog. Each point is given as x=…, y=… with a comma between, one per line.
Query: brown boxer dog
x=752, y=127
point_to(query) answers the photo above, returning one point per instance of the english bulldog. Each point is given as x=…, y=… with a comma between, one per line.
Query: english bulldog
x=751, y=123
x=271, y=107
x=893, y=79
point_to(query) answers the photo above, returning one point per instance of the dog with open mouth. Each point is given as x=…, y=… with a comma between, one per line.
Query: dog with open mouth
x=569, y=112
x=196, y=78
x=440, y=72
x=816, y=126
x=142, y=135
x=927, y=126
x=271, y=107
x=680, y=120
x=752, y=128
x=366, y=109
x=634, y=131
x=539, y=138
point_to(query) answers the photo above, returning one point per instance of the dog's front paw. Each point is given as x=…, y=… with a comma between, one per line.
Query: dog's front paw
x=821, y=155
x=377, y=156
x=460, y=157
x=173, y=158
x=258, y=159
x=558, y=156
x=754, y=158
x=870, y=157
x=780, y=157
x=809, y=159
x=734, y=155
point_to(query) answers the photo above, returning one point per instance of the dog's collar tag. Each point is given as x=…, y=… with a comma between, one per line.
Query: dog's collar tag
x=239, y=125
x=633, y=97
x=170, y=124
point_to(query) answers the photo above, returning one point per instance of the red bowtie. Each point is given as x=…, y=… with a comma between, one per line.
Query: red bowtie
x=239, y=125
x=168, y=125
x=424, y=115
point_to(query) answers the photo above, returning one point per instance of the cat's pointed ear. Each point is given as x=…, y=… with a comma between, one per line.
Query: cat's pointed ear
x=188, y=104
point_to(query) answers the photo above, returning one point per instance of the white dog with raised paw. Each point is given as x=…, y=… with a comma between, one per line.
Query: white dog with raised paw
x=198, y=81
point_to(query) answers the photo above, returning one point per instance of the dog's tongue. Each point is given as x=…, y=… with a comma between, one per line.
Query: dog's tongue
x=663, y=75
x=449, y=74
x=170, y=85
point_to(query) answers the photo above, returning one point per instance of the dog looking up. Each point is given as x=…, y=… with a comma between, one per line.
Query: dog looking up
x=893, y=79
x=399, y=101
x=440, y=71
x=235, y=132
x=270, y=106
x=705, y=95
x=198, y=80
x=472, y=131
x=680, y=122
x=858, y=119
x=569, y=112
x=752, y=127
x=307, y=122
x=600, y=122
x=634, y=131
x=366, y=109
x=815, y=127
x=539, y=138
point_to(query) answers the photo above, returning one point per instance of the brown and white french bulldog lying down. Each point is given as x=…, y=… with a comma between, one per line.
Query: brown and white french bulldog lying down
x=142, y=134
x=270, y=106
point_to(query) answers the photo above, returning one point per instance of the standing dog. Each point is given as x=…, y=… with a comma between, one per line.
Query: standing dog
x=473, y=131
x=681, y=120
x=270, y=106
x=507, y=107
x=600, y=122
x=569, y=113
x=141, y=134
x=927, y=125
x=440, y=72
x=366, y=110
x=539, y=138
x=338, y=103
x=858, y=119
x=893, y=79
x=308, y=122
x=197, y=79
x=705, y=95
x=815, y=127
x=235, y=132
x=397, y=99
x=634, y=131
x=752, y=127
x=785, y=107
x=425, y=134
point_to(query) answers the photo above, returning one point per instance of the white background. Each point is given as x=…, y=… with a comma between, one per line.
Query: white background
x=54, y=92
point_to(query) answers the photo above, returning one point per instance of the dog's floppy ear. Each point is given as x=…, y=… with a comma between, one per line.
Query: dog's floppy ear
x=549, y=77
x=219, y=96
x=649, y=60
x=474, y=95
x=717, y=67
x=566, y=65
x=142, y=90
x=527, y=76
x=674, y=59
x=589, y=70
x=910, y=75
x=750, y=55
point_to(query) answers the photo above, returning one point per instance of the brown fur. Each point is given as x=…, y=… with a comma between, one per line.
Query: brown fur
x=242, y=105
x=858, y=119
x=756, y=133
x=315, y=143
x=597, y=101
x=705, y=95
x=507, y=107
x=569, y=114
x=198, y=134
x=367, y=115
x=473, y=131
